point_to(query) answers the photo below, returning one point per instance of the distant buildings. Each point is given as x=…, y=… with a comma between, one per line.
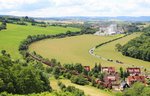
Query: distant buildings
x=109, y=30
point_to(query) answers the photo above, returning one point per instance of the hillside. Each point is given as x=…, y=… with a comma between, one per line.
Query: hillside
x=14, y=34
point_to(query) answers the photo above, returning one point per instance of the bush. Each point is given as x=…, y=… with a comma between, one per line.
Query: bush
x=79, y=80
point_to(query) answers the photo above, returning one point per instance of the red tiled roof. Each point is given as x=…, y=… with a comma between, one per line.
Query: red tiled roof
x=134, y=70
x=87, y=68
x=136, y=78
x=108, y=69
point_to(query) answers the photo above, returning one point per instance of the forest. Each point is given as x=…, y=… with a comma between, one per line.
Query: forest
x=138, y=48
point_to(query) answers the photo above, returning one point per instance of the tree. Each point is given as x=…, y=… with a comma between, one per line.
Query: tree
x=3, y=52
x=20, y=79
x=56, y=70
x=78, y=67
x=138, y=89
x=118, y=47
x=1, y=83
x=121, y=72
x=79, y=80
x=100, y=67
x=146, y=91
x=96, y=68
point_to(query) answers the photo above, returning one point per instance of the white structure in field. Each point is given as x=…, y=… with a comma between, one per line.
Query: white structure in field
x=109, y=30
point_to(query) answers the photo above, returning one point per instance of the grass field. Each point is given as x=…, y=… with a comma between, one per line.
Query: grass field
x=75, y=50
x=11, y=38
x=88, y=90
x=71, y=49
x=108, y=51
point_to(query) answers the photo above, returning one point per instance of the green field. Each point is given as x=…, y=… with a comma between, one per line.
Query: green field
x=75, y=50
x=71, y=49
x=108, y=51
x=88, y=90
x=11, y=38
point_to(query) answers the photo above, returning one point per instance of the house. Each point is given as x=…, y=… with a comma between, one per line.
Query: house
x=111, y=80
x=133, y=79
x=123, y=85
x=134, y=71
x=87, y=68
x=98, y=81
x=108, y=69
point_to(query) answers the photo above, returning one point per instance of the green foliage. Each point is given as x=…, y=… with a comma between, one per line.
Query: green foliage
x=3, y=25
x=54, y=93
x=121, y=72
x=16, y=77
x=118, y=47
x=148, y=81
x=78, y=67
x=97, y=68
x=72, y=89
x=79, y=80
x=138, y=89
x=138, y=48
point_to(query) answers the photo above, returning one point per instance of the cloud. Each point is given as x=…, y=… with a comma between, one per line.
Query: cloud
x=50, y=8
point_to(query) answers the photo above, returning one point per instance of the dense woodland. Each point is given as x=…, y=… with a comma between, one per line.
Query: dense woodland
x=20, y=77
x=137, y=48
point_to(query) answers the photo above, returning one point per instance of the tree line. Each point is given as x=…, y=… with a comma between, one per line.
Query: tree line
x=137, y=48
x=30, y=39
x=3, y=25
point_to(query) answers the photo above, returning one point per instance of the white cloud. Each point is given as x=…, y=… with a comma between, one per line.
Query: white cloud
x=81, y=8
x=12, y=4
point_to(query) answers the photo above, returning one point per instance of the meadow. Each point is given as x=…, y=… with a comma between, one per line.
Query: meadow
x=76, y=50
x=11, y=38
x=88, y=90
x=70, y=49
x=109, y=51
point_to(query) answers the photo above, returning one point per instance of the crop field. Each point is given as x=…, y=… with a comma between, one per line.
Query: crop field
x=11, y=38
x=108, y=51
x=88, y=90
x=71, y=49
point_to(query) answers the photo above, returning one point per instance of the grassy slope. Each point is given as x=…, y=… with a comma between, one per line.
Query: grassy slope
x=108, y=51
x=10, y=38
x=75, y=50
x=89, y=90
x=71, y=49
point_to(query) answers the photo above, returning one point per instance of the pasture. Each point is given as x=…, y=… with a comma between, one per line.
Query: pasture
x=88, y=90
x=108, y=51
x=11, y=38
x=76, y=50
x=71, y=49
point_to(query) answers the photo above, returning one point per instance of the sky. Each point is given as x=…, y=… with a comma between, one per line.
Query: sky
x=58, y=8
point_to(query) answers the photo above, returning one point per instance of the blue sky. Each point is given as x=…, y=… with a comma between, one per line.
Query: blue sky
x=57, y=8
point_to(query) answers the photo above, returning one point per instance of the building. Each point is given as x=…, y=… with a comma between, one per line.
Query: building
x=123, y=85
x=108, y=69
x=87, y=68
x=111, y=29
x=132, y=79
x=111, y=80
x=134, y=71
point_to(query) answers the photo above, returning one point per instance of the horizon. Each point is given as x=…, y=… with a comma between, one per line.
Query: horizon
x=75, y=8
